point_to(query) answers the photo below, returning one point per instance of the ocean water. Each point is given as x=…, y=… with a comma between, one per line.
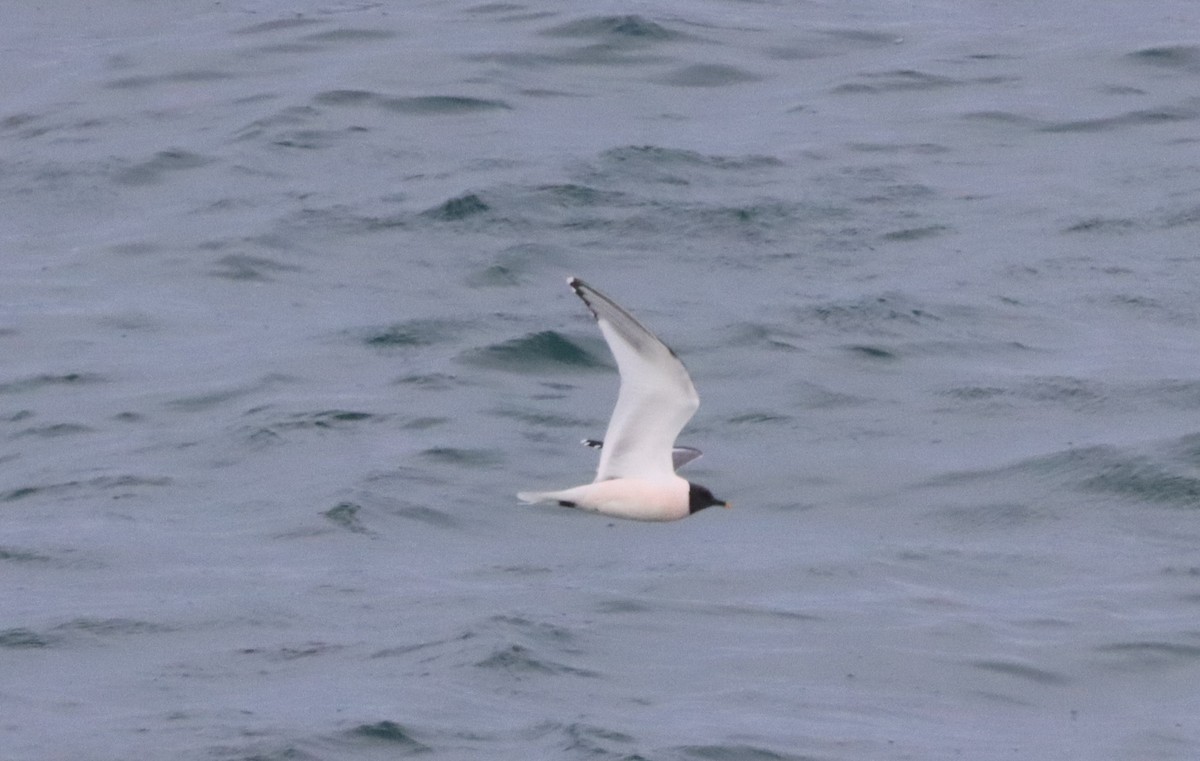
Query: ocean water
x=283, y=330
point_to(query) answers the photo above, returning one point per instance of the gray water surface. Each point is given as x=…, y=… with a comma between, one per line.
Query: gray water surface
x=283, y=330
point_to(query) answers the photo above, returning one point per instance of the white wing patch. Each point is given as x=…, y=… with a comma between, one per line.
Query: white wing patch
x=656, y=399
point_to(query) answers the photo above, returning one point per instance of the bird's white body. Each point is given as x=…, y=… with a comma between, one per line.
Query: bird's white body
x=634, y=498
x=636, y=477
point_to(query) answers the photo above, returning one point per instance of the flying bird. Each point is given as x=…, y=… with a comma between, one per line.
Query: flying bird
x=636, y=478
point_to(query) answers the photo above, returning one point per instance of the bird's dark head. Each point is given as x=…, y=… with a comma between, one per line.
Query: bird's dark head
x=699, y=497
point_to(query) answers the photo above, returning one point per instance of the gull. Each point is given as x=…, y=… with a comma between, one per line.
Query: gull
x=636, y=478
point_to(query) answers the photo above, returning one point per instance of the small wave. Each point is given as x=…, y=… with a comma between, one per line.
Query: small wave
x=430, y=105
x=21, y=638
x=631, y=27
x=1139, y=118
x=709, y=75
x=459, y=207
x=518, y=660
x=350, y=35
x=154, y=170
x=47, y=380
x=345, y=515
x=402, y=335
x=244, y=267
x=395, y=736
x=1182, y=57
x=899, y=80
x=1021, y=671
x=735, y=752
x=535, y=353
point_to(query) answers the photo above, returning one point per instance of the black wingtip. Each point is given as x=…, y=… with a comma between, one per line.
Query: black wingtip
x=577, y=286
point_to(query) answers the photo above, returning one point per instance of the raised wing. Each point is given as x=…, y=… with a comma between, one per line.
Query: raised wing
x=656, y=400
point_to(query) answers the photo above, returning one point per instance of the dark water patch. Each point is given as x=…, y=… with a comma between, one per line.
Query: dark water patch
x=314, y=139
x=764, y=336
x=493, y=276
x=1186, y=217
x=1002, y=516
x=191, y=76
x=435, y=105
x=1006, y=118
x=544, y=419
x=708, y=75
x=1122, y=90
x=496, y=8
x=457, y=208
x=346, y=98
x=153, y=170
x=916, y=233
x=461, y=457
x=345, y=515
x=350, y=35
x=831, y=42
x=736, y=752
x=111, y=627
x=1187, y=448
x=15, y=555
x=899, y=80
x=519, y=661
x=1021, y=671
x=596, y=742
x=888, y=314
x=536, y=631
x=1144, y=480
x=126, y=484
x=877, y=353
x=394, y=736
x=424, y=423
x=1142, y=117
x=325, y=420
x=430, y=381
x=758, y=418
x=289, y=48
x=430, y=105
x=290, y=117
x=1149, y=653
x=46, y=380
x=205, y=401
x=18, y=121
x=426, y=515
x=285, y=653
x=1073, y=392
x=535, y=353
x=57, y=430
x=1180, y=57
x=814, y=396
x=1103, y=225
x=571, y=195
x=657, y=155
x=623, y=605
x=296, y=22
x=21, y=638
x=412, y=333
x=917, y=149
x=630, y=27
x=247, y=268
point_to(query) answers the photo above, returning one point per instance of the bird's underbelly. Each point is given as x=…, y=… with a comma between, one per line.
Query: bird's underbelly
x=638, y=499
